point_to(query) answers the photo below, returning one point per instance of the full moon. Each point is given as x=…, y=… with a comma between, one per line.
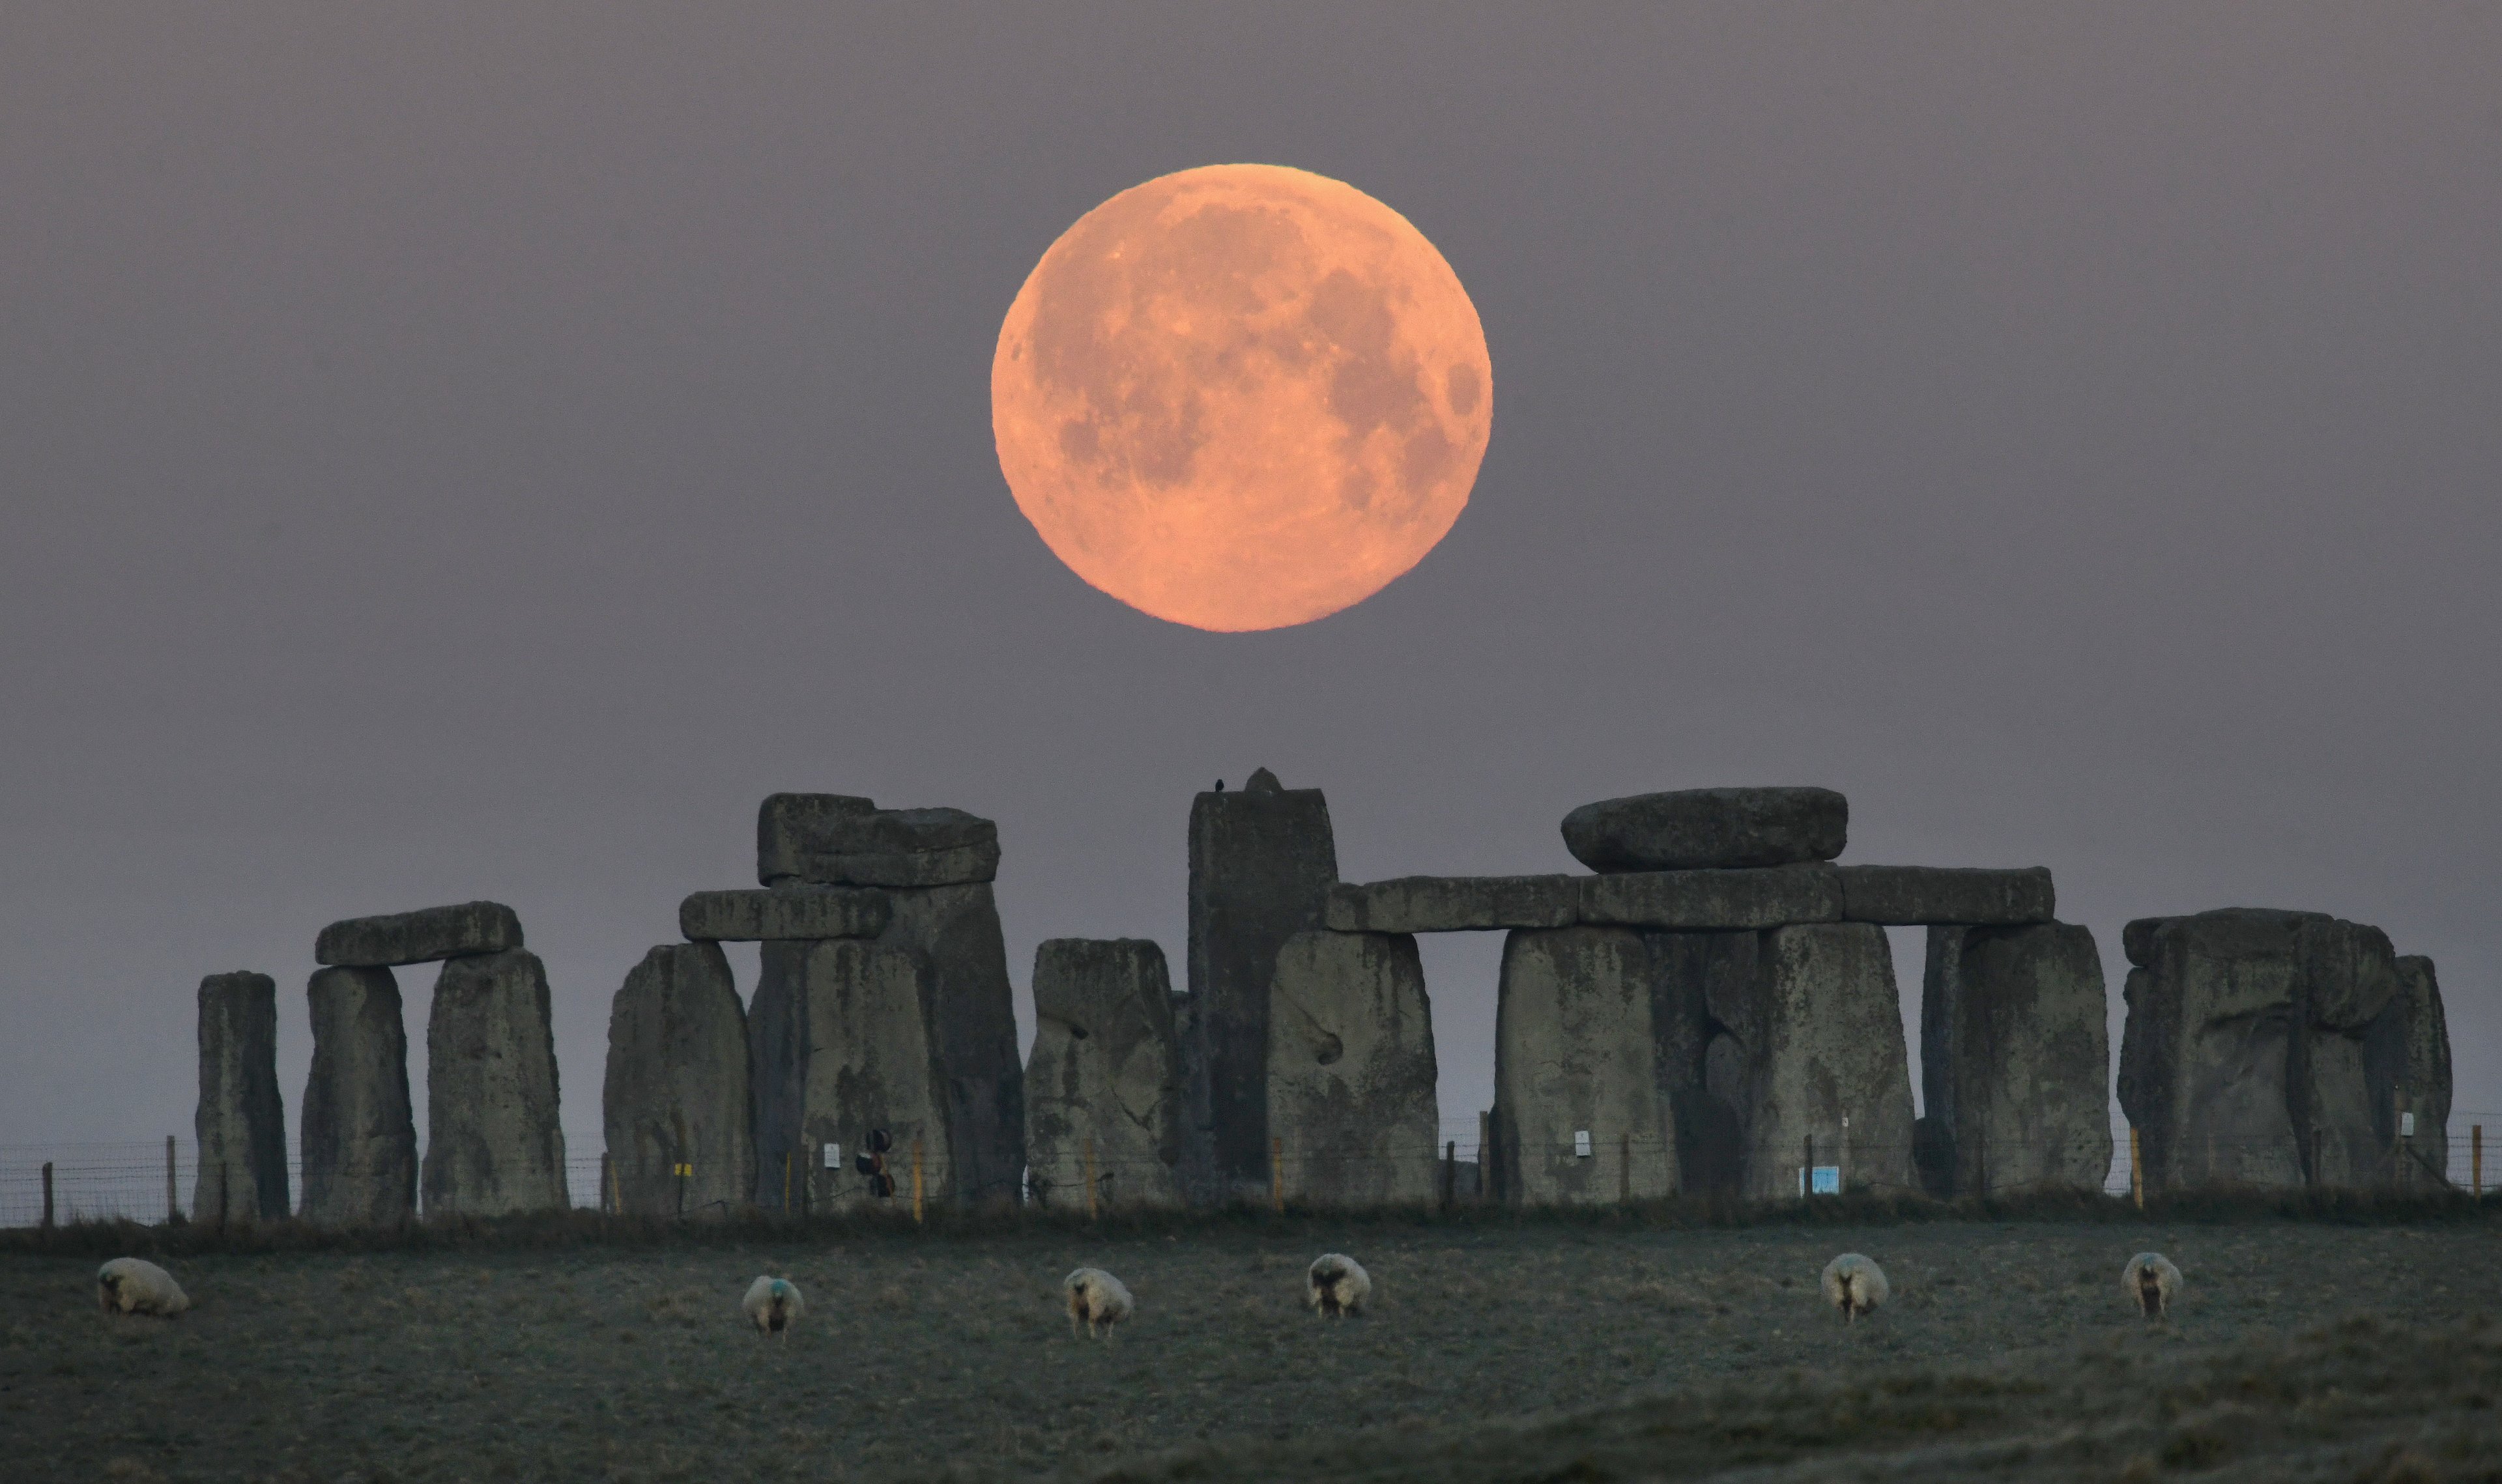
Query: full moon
x=1242, y=396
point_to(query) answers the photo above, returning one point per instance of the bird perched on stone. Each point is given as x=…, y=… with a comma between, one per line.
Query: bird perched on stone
x=1855, y=1285
x=2151, y=1280
x=1220, y=786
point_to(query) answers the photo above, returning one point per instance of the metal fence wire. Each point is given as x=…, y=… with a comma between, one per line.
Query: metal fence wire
x=151, y=1182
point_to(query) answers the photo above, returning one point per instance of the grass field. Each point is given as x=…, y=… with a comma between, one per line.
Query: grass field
x=1531, y=1349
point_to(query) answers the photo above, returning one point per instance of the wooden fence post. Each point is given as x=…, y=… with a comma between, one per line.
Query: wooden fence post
x=1806, y=1170
x=607, y=1182
x=1624, y=1169
x=1485, y=1158
x=1093, y=1208
x=2135, y=1170
x=173, y=1202
x=1277, y=1173
x=916, y=1181
x=2476, y=1157
x=786, y=1182
x=1450, y=1173
x=47, y=1195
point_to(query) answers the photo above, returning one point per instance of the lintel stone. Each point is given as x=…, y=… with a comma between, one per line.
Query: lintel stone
x=1454, y=903
x=467, y=930
x=1926, y=895
x=1729, y=901
x=754, y=915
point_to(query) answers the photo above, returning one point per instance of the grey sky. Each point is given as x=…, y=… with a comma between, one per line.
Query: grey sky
x=481, y=455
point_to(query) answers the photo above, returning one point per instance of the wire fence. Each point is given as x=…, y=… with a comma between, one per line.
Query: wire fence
x=152, y=1182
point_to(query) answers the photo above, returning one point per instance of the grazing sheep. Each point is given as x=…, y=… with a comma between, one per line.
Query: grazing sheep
x=2151, y=1280
x=1337, y=1284
x=774, y=1305
x=1855, y=1285
x=130, y=1286
x=1097, y=1302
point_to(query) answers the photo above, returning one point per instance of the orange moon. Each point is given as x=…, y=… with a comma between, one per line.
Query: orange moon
x=1242, y=396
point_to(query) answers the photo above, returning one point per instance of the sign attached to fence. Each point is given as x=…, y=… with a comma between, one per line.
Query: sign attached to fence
x=1821, y=1180
x=2406, y=1126
x=1581, y=1143
x=833, y=1156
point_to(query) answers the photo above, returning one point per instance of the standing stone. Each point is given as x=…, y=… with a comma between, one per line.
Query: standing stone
x=360, y=1140
x=241, y=1122
x=1703, y=829
x=1827, y=1028
x=420, y=938
x=2406, y=1060
x=954, y=932
x=2244, y=1057
x=1702, y=1017
x=2015, y=1061
x=843, y=1047
x=1261, y=863
x=1105, y=1071
x=1580, y=1114
x=1351, y=1077
x=676, y=1092
x=492, y=1145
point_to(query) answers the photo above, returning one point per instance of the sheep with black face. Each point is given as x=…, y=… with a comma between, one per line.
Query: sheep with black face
x=1855, y=1285
x=1337, y=1286
x=2151, y=1280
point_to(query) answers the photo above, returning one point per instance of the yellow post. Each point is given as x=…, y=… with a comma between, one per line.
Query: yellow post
x=1092, y=1209
x=1277, y=1173
x=2135, y=1170
x=916, y=1180
x=616, y=1192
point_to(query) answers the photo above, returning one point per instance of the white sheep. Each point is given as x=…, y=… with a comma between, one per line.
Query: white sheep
x=1855, y=1285
x=131, y=1286
x=1337, y=1284
x=2151, y=1280
x=1097, y=1302
x=774, y=1305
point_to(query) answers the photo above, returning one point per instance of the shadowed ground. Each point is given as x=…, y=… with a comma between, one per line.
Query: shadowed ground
x=2008, y=1351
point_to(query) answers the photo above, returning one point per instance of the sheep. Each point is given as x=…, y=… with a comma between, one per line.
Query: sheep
x=2151, y=1280
x=774, y=1305
x=1337, y=1284
x=131, y=1286
x=1097, y=1302
x=1855, y=1285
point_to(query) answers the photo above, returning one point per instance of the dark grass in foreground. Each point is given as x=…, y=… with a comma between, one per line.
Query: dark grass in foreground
x=578, y=1229
x=948, y=1353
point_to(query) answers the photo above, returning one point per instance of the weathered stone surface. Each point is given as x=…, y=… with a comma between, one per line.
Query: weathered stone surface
x=420, y=938
x=1106, y=1075
x=787, y=911
x=1261, y=863
x=1351, y=1071
x=838, y=845
x=841, y=1041
x=1925, y=896
x=2016, y=1061
x=1695, y=901
x=360, y=1140
x=955, y=932
x=1703, y=1001
x=1828, y=1048
x=1708, y=828
x=676, y=1092
x=1577, y=1051
x=2244, y=1058
x=2406, y=1064
x=493, y=1143
x=240, y=1121
x=1454, y=903
x=788, y=827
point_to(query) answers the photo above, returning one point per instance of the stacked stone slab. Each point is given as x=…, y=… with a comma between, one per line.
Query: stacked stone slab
x=2014, y=1056
x=843, y=1043
x=675, y=1099
x=494, y=1143
x=2406, y=1069
x=1351, y=1073
x=1261, y=863
x=240, y=1121
x=1103, y=1081
x=2245, y=1056
x=933, y=868
x=359, y=1141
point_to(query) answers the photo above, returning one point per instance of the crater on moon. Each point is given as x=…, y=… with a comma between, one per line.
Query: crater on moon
x=1242, y=397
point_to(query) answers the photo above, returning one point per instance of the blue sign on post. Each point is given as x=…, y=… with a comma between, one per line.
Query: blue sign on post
x=1825, y=1180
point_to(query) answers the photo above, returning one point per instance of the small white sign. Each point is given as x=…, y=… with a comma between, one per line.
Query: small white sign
x=2406, y=1126
x=1581, y=1143
x=834, y=1156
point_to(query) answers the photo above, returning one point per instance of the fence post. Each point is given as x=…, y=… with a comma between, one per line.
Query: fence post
x=2135, y=1170
x=1093, y=1208
x=2318, y=1175
x=607, y=1182
x=1278, y=1174
x=786, y=1182
x=1624, y=1169
x=1485, y=1158
x=1450, y=1173
x=173, y=1203
x=1806, y=1170
x=916, y=1181
x=47, y=1195
x=2476, y=1157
